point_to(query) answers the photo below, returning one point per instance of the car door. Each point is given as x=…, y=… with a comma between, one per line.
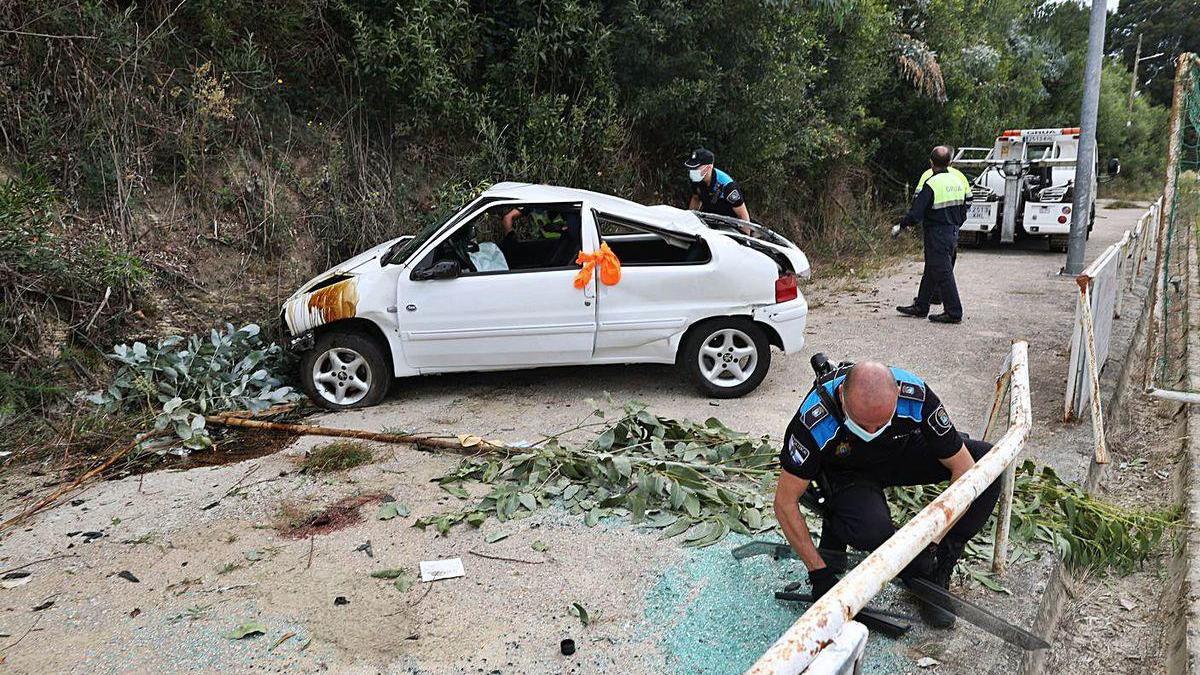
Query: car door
x=500, y=319
x=659, y=296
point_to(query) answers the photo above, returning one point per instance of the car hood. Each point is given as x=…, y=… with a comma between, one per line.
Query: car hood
x=333, y=294
x=352, y=267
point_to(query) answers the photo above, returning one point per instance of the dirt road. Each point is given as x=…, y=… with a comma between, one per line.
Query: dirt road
x=202, y=572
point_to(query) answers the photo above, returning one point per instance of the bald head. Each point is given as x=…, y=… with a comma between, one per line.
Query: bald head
x=940, y=157
x=869, y=395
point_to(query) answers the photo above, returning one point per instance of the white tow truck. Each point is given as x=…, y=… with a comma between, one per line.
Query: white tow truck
x=1025, y=187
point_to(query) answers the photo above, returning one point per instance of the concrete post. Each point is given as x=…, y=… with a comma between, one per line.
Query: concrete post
x=1085, y=167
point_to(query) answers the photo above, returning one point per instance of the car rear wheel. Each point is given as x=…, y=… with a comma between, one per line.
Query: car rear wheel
x=344, y=370
x=726, y=358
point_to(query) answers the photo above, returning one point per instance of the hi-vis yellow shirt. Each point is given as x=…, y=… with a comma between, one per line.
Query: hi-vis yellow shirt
x=950, y=187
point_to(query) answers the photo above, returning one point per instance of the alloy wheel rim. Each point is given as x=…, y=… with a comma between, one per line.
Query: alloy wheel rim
x=727, y=357
x=342, y=376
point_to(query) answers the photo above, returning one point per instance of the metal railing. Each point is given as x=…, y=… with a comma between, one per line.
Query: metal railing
x=1102, y=288
x=845, y=655
x=821, y=625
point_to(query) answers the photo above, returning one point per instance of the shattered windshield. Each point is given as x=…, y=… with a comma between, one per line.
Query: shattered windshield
x=406, y=247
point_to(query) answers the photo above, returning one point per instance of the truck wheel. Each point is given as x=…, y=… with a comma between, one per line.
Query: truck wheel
x=727, y=357
x=344, y=370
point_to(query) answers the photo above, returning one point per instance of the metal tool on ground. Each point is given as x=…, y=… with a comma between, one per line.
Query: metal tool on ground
x=892, y=624
x=932, y=593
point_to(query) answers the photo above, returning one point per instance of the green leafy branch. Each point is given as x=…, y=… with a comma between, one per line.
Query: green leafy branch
x=701, y=481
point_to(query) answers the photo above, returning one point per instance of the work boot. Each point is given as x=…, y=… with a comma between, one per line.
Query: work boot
x=913, y=310
x=943, y=318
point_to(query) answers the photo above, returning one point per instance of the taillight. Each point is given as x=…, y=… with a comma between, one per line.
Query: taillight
x=786, y=288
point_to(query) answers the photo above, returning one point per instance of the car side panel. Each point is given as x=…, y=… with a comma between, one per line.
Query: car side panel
x=644, y=317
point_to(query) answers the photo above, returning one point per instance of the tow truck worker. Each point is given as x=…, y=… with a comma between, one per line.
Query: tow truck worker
x=869, y=427
x=713, y=191
x=941, y=206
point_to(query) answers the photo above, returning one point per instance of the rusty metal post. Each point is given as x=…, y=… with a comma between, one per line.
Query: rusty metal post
x=1093, y=370
x=823, y=622
x=1007, y=479
x=1008, y=483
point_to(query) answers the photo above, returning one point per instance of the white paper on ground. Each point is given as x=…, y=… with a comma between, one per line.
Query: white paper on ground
x=433, y=570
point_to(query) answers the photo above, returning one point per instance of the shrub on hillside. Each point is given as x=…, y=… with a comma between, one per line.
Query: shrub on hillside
x=180, y=380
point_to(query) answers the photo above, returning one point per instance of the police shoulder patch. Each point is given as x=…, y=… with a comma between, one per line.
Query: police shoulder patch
x=735, y=195
x=939, y=421
x=814, y=415
x=797, y=450
x=912, y=391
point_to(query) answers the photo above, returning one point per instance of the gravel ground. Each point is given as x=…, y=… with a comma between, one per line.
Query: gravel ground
x=659, y=608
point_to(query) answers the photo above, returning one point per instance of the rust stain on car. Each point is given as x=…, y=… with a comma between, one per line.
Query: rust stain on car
x=339, y=301
x=324, y=305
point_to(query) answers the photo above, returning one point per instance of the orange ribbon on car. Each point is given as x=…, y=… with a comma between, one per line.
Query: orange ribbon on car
x=610, y=267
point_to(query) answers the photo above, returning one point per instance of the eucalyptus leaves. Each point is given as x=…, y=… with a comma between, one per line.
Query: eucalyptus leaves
x=180, y=380
x=700, y=481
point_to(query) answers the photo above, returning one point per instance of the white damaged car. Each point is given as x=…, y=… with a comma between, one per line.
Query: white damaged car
x=498, y=287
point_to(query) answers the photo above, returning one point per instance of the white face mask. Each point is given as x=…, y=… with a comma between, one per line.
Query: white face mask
x=696, y=175
x=863, y=433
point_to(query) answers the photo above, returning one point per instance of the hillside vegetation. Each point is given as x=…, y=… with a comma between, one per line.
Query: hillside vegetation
x=169, y=166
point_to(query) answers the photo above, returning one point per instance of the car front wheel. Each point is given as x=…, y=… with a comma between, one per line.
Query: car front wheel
x=726, y=358
x=344, y=370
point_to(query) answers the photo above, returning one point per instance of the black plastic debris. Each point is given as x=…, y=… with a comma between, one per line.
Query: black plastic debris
x=567, y=647
x=128, y=576
x=45, y=605
x=89, y=537
x=366, y=548
x=340, y=600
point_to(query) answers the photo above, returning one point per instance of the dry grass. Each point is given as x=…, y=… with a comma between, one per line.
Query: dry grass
x=337, y=456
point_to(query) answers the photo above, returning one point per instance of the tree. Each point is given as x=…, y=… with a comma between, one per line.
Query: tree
x=1168, y=26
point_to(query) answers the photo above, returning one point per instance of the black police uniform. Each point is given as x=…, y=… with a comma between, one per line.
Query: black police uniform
x=852, y=472
x=721, y=197
x=941, y=223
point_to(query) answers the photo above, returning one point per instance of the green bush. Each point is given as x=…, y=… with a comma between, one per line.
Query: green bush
x=180, y=380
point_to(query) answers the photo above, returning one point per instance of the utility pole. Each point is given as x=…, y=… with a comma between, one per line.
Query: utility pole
x=1085, y=167
x=1137, y=57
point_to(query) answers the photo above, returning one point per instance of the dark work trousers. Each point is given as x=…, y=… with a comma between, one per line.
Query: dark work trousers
x=941, y=252
x=937, y=294
x=857, y=513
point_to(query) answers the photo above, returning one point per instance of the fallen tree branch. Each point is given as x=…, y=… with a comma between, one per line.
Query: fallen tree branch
x=500, y=557
x=35, y=562
x=465, y=444
x=53, y=497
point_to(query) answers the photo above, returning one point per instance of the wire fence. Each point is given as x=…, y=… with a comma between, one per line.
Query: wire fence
x=1181, y=199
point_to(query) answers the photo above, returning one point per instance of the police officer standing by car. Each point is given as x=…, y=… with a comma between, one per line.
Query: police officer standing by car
x=713, y=191
x=941, y=206
x=861, y=428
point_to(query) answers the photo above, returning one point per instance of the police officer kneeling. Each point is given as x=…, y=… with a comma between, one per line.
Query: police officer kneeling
x=864, y=427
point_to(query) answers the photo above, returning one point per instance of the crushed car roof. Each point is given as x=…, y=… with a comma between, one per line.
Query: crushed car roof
x=666, y=217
